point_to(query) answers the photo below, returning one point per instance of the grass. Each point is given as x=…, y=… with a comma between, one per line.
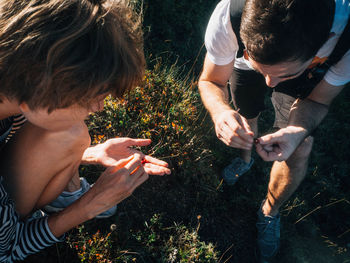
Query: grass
x=191, y=216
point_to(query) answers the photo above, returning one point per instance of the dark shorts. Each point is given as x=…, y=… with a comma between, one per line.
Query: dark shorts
x=248, y=91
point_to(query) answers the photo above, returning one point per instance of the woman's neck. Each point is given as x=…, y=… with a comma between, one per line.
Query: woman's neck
x=8, y=108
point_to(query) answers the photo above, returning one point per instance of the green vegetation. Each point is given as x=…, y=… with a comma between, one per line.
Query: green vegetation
x=190, y=215
x=174, y=30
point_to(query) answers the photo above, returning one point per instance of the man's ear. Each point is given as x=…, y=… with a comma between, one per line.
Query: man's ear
x=245, y=54
x=24, y=107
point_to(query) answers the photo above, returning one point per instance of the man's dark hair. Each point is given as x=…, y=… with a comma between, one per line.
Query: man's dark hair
x=56, y=53
x=275, y=31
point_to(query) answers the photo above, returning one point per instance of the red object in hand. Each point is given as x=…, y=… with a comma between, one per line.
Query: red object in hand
x=143, y=161
x=256, y=140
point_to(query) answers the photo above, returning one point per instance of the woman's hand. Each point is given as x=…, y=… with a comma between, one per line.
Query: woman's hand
x=113, y=150
x=116, y=184
x=113, y=186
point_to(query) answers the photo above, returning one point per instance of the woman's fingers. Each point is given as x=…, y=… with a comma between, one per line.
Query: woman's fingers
x=153, y=169
x=134, y=163
x=120, y=164
x=137, y=142
x=150, y=159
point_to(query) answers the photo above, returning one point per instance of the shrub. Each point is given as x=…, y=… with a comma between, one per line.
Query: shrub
x=166, y=109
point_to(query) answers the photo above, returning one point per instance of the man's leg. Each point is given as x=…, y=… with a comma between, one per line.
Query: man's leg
x=285, y=177
x=248, y=93
x=38, y=164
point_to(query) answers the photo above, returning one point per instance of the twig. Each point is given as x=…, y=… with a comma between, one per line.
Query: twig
x=316, y=195
x=292, y=206
x=347, y=231
x=194, y=63
x=170, y=156
x=335, y=202
x=220, y=184
x=225, y=253
x=228, y=259
x=58, y=254
x=317, y=208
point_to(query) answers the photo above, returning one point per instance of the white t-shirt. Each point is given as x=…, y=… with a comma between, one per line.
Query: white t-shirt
x=222, y=45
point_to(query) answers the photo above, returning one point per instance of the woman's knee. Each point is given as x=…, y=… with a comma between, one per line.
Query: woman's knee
x=37, y=160
x=34, y=151
x=77, y=139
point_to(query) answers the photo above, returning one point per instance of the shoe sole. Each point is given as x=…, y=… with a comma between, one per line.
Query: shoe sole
x=51, y=210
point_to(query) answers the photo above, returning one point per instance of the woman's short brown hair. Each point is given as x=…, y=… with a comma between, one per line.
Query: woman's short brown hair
x=56, y=53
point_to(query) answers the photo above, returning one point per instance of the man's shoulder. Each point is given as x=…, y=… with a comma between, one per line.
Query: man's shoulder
x=219, y=27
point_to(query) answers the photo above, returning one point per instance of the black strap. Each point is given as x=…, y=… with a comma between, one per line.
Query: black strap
x=236, y=9
x=342, y=46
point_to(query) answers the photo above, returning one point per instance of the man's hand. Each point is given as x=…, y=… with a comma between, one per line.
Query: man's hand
x=233, y=129
x=113, y=150
x=279, y=146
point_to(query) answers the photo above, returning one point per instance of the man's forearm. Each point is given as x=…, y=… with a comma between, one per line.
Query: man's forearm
x=214, y=97
x=307, y=114
x=212, y=86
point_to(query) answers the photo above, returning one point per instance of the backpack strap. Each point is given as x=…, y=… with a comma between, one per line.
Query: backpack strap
x=236, y=9
x=342, y=46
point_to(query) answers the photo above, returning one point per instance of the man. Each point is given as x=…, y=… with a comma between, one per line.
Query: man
x=58, y=61
x=282, y=41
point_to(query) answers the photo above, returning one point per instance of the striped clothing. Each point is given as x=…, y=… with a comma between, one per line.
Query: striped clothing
x=9, y=126
x=19, y=239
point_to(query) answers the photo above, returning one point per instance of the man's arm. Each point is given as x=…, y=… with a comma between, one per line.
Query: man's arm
x=309, y=113
x=230, y=126
x=305, y=116
x=212, y=86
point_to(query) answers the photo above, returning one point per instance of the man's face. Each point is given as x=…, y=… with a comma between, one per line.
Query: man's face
x=61, y=119
x=274, y=74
